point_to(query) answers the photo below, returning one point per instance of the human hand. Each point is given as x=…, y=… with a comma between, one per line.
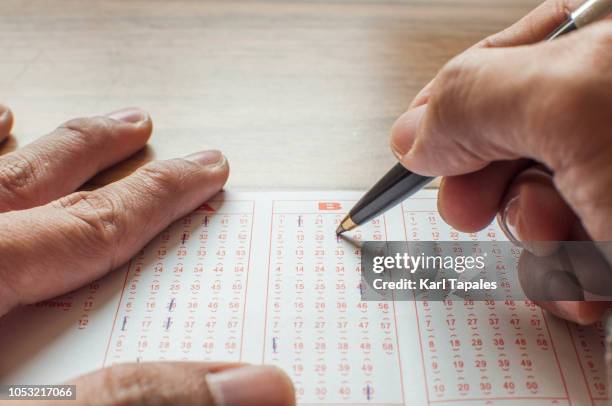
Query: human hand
x=506, y=102
x=185, y=383
x=59, y=239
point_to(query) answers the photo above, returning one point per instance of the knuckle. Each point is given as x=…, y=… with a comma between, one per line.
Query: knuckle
x=99, y=215
x=126, y=384
x=456, y=76
x=88, y=130
x=454, y=69
x=162, y=178
x=17, y=173
x=451, y=91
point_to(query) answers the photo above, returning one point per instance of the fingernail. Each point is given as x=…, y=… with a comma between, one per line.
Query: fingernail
x=4, y=113
x=210, y=158
x=250, y=385
x=130, y=115
x=508, y=219
x=404, y=131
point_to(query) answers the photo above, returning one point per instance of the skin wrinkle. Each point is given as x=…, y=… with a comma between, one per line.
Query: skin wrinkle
x=118, y=387
x=44, y=158
x=446, y=79
x=507, y=142
x=160, y=383
x=500, y=147
x=100, y=215
x=158, y=182
x=51, y=230
x=138, y=194
x=477, y=79
x=63, y=252
x=32, y=237
x=459, y=85
x=533, y=103
x=511, y=144
x=16, y=174
x=72, y=145
x=437, y=118
x=133, y=387
x=94, y=128
x=101, y=136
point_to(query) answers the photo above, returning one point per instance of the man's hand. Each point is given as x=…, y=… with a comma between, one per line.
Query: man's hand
x=505, y=103
x=185, y=383
x=59, y=239
x=55, y=240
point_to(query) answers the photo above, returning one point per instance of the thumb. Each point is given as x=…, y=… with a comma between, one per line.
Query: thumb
x=185, y=383
x=498, y=104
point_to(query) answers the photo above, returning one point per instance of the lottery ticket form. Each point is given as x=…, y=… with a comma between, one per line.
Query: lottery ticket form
x=261, y=277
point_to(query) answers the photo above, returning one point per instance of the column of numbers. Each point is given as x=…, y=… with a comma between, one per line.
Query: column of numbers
x=192, y=281
x=589, y=344
x=482, y=350
x=337, y=348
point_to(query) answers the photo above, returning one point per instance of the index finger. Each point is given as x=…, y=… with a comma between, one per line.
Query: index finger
x=532, y=28
x=535, y=26
x=58, y=247
x=186, y=383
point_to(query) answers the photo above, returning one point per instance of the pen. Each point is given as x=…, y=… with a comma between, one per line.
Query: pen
x=400, y=183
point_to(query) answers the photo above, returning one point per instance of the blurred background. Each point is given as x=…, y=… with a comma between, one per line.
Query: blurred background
x=298, y=94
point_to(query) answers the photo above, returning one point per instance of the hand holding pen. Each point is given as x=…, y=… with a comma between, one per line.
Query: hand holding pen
x=400, y=183
x=505, y=103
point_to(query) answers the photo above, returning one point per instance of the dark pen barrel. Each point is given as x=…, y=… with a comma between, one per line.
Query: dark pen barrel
x=397, y=185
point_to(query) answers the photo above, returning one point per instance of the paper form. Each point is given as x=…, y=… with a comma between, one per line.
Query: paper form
x=261, y=277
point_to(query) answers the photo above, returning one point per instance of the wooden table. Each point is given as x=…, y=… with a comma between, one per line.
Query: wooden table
x=296, y=93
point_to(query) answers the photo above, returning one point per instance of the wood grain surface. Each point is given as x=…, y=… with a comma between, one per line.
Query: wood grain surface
x=298, y=94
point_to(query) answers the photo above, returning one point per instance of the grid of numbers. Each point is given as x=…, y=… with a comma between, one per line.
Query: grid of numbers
x=337, y=349
x=589, y=344
x=192, y=281
x=480, y=351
